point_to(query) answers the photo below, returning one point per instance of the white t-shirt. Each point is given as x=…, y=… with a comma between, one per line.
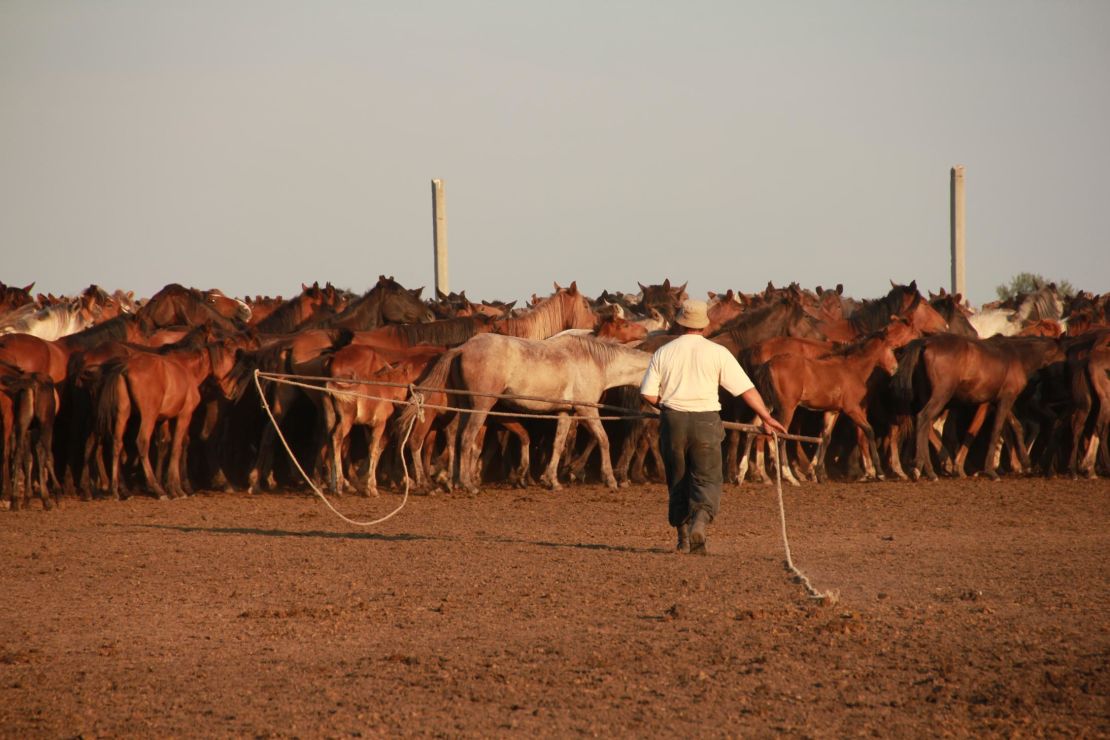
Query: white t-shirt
x=686, y=372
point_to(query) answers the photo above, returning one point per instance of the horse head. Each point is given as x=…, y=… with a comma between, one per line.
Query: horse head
x=400, y=305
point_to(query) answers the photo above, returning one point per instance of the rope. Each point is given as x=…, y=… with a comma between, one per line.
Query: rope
x=284, y=380
x=277, y=427
x=416, y=398
x=828, y=597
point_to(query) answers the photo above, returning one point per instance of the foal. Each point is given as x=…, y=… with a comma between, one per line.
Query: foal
x=835, y=384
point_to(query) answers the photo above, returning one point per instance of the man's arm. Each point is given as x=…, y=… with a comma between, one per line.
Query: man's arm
x=653, y=400
x=753, y=399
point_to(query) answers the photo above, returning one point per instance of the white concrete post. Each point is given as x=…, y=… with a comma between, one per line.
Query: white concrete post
x=959, y=283
x=439, y=236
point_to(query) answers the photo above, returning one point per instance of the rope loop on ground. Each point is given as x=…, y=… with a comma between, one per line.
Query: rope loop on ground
x=826, y=597
x=315, y=489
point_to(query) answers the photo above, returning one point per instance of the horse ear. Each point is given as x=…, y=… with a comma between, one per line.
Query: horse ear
x=417, y=291
x=29, y=288
x=557, y=288
x=729, y=295
x=642, y=288
x=912, y=285
x=840, y=288
x=711, y=294
x=818, y=290
x=573, y=289
x=680, y=289
x=667, y=283
x=508, y=306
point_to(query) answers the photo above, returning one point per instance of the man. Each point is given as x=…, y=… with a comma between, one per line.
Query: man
x=682, y=378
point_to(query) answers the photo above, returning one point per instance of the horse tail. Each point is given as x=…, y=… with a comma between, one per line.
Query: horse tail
x=108, y=397
x=764, y=383
x=907, y=364
x=436, y=378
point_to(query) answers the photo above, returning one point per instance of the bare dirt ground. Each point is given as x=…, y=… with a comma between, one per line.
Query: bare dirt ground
x=965, y=608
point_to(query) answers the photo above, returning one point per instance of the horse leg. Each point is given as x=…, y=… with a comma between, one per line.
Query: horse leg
x=377, y=442
x=593, y=423
x=550, y=477
x=859, y=416
x=994, y=445
x=469, y=474
x=780, y=449
x=969, y=437
x=923, y=462
x=745, y=458
x=823, y=446
x=142, y=442
x=177, y=453
x=522, y=474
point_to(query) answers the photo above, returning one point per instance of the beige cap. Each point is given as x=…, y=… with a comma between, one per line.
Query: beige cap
x=694, y=315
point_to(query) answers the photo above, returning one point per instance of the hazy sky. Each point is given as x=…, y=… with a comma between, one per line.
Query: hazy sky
x=251, y=146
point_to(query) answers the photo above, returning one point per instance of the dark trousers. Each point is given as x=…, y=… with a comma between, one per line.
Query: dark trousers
x=691, y=446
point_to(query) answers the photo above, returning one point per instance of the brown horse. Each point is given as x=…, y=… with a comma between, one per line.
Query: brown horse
x=175, y=305
x=975, y=371
x=343, y=412
x=902, y=300
x=305, y=307
x=388, y=302
x=836, y=383
x=12, y=297
x=28, y=403
x=663, y=298
x=1088, y=362
x=781, y=318
x=159, y=388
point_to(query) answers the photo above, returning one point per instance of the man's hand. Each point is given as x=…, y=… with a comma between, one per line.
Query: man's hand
x=773, y=424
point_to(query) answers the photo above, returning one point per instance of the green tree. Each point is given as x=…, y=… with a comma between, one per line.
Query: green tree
x=1028, y=282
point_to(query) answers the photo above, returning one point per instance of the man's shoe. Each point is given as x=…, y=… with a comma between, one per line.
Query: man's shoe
x=683, y=538
x=697, y=532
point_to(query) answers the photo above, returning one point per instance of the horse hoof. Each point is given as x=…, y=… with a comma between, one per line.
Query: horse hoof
x=163, y=497
x=991, y=474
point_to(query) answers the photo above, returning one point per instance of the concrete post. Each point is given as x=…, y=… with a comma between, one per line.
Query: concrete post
x=959, y=283
x=439, y=236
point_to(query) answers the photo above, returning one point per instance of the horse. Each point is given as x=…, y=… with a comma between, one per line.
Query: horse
x=175, y=305
x=784, y=317
x=159, y=388
x=564, y=309
x=835, y=383
x=388, y=302
x=28, y=403
x=568, y=370
x=1088, y=362
x=663, y=298
x=342, y=412
x=291, y=314
x=49, y=322
x=975, y=371
x=12, y=297
x=950, y=307
x=872, y=315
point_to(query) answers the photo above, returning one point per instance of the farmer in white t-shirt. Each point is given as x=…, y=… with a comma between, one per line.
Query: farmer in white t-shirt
x=682, y=378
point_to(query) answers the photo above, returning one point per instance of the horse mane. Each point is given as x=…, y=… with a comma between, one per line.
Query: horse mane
x=743, y=326
x=283, y=318
x=112, y=330
x=545, y=319
x=447, y=332
x=598, y=350
x=872, y=315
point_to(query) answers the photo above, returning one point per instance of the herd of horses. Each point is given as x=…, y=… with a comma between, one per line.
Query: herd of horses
x=105, y=395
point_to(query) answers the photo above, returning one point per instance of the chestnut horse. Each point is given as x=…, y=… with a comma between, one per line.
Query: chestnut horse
x=836, y=383
x=158, y=387
x=564, y=309
x=175, y=304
